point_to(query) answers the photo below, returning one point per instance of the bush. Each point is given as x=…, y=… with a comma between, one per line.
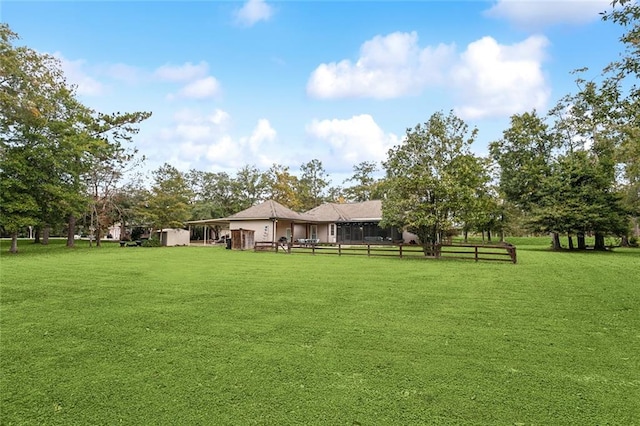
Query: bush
x=152, y=242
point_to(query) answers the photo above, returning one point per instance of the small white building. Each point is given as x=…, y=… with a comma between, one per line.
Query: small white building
x=174, y=237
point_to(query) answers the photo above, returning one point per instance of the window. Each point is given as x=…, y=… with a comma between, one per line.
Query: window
x=314, y=232
x=332, y=229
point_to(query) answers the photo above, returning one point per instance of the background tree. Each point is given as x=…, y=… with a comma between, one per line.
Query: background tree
x=282, y=187
x=429, y=178
x=249, y=186
x=168, y=204
x=312, y=184
x=364, y=186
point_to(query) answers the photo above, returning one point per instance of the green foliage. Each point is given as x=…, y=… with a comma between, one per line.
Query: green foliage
x=168, y=203
x=365, y=186
x=283, y=187
x=312, y=184
x=431, y=178
x=152, y=242
x=57, y=148
x=164, y=336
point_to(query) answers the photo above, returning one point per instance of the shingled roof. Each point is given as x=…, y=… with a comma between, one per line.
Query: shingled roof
x=349, y=212
x=268, y=210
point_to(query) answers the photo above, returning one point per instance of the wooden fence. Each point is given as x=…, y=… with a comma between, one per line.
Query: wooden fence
x=498, y=253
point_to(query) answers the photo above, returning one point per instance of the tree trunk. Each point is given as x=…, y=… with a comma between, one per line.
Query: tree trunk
x=489, y=235
x=466, y=236
x=98, y=236
x=71, y=231
x=555, y=241
x=570, y=238
x=624, y=242
x=599, y=244
x=45, y=234
x=582, y=245
x=14, y=242
x=123, y=229
x=36, y=237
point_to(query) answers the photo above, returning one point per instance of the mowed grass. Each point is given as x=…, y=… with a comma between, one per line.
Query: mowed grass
x=203, y=335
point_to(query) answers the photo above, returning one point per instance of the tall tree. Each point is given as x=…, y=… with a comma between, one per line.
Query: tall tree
x=250, y=186
x=168, y=204
x=364, y=186
x=429, y=177
x=283, y=187
x=312, y=184
x=52, y=137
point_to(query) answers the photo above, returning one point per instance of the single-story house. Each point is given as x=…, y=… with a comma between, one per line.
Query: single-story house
x=352, y=223
x=348, y=223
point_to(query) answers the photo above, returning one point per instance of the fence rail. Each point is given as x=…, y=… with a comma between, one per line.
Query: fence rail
x=476, y=252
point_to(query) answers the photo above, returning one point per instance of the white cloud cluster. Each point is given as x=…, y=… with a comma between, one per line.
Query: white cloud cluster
x=184, y=72
x=252, y=12
x=353, y=140
x=197, y=83
x=496, y=80
x=536, y=14
x=206, y=140
x=388, y=67
x=487, y=79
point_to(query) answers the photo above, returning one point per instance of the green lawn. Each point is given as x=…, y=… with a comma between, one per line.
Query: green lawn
x=203, y=335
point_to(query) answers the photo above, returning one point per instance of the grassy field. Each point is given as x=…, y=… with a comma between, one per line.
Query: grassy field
x=203, y=335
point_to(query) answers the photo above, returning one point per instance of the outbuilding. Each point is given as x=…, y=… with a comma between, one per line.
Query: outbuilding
x=174, y=237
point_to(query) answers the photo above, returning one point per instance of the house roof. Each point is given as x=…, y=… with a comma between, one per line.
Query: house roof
x=348, y=212
x=268, y=210
x=328, y=212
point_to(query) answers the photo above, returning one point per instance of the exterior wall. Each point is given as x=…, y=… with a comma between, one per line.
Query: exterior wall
x=324, y=232
x=174, y=237
x=263, y=229
x=114, y=231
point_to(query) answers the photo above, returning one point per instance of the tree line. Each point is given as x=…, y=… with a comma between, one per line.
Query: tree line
x=574, y=171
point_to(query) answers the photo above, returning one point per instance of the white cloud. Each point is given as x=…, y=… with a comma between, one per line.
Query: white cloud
x=487, y=79
x=77, y=75
x=124, y=72
x=203, y=88
x=253, y=12
x=262, y=133
x=184, y=72
x=535, y=14
x=388, y=67
x=204, y=139
x=353, y=140
x=498, y=80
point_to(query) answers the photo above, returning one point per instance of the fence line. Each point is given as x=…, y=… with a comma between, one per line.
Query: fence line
x=477, y=252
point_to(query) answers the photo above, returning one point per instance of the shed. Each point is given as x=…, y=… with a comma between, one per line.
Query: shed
x=242, y=239
x=174, y=237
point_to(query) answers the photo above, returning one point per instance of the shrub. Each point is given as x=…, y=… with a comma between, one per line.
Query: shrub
x=152, y=242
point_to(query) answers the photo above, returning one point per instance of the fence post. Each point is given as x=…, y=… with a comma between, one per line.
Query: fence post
x=513, y=254
x=400, y=250
x=313, y=249
x=339, y=249
x=289, y=244
x=368, y=249
x=476, y=253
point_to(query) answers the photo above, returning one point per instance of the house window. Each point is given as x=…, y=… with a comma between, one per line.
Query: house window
x=288, y=234
x=314, y=231
x=332, y=229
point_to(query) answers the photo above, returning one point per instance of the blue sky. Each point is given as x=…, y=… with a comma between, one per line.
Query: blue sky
x=261, y=82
